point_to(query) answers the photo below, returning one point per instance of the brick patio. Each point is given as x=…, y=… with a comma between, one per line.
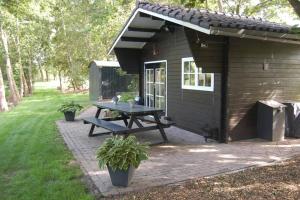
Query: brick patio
x=186, y=156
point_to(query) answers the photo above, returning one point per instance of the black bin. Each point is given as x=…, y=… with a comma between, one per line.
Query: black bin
x=271, y=120
x=292, y=119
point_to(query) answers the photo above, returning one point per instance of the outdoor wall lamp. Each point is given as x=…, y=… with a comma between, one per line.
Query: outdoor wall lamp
x=168, y=28
x=154, y=50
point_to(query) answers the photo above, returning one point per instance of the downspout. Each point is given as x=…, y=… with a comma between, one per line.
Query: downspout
x=224, y=135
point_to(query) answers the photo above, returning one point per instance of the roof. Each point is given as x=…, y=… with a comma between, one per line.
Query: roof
x=206, y=19
x=101, y=63
x=147, y=19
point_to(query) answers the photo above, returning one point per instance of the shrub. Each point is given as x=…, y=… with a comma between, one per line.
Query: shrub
x=69, y=107
x=120, y=153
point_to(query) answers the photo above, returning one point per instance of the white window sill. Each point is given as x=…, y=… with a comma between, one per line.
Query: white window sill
x=208, y=89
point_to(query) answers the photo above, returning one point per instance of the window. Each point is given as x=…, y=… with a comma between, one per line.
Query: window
x=193, y=78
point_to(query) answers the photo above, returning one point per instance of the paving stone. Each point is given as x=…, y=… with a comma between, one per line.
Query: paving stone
x=186, y=156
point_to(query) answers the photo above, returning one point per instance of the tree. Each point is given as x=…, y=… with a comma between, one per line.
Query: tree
x=14, y=94
x=3, y=102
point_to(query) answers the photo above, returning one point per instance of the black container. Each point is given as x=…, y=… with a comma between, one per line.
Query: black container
x=271, y=120
x=292, y=113
x=121, y=177
x=69, y=116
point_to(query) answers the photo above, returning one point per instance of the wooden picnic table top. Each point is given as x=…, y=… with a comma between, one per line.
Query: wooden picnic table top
x=126, y=108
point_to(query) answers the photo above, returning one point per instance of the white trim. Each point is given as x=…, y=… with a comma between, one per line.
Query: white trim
x=103, y=63
x=196, y=87
x=124, y=29
x=176, y=21
x=166, y=89
x=167, y=18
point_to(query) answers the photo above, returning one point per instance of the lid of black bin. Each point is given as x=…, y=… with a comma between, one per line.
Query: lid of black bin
x=272, y=103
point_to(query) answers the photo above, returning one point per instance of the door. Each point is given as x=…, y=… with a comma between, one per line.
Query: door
x=155, y=84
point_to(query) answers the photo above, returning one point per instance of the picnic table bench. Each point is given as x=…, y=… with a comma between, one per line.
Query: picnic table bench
x=134, y=114
x=114, y=128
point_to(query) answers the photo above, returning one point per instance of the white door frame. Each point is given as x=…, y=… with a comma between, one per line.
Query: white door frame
x=166, y=89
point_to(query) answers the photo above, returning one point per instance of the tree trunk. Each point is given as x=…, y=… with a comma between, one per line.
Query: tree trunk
x=296, y=5
x=29, y=80
x=237, y=9
x=47, y=76
x=60, y=81
x=14, y=93
x=3, y=102
x=23, y=83
x=220, y=5
x=41, y=72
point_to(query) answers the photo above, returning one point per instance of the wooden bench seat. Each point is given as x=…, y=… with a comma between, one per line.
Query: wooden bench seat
x=164, y=122
x=114, y=128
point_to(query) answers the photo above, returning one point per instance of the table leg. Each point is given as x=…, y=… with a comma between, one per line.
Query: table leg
x=93, y=126
x=131, y=120
x=124, y=119
x=137, y=122
x=160, y=127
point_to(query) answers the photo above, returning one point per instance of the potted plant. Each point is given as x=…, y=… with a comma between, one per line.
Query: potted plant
x=69, y=109
x=121, y=156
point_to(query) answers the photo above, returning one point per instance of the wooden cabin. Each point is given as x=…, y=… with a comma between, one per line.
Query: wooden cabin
x=208, y=69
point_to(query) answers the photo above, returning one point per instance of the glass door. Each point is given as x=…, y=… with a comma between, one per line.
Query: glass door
x=155, y=84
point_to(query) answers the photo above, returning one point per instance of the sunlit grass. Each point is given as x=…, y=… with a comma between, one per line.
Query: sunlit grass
x=34, y=162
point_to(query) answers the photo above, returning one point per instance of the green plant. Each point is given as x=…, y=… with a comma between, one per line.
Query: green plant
x=127, y=96
x=120, y=153
x=69, y=107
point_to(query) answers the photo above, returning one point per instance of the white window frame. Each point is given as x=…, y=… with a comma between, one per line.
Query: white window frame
x=166, y=92
x=196, y=86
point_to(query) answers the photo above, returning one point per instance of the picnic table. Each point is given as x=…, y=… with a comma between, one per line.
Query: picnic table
x=131, y=113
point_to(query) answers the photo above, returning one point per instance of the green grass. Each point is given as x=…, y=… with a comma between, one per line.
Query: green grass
x=34, y=162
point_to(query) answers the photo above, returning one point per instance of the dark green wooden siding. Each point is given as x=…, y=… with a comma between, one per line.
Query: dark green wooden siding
x=190, y=109
x=249, y=82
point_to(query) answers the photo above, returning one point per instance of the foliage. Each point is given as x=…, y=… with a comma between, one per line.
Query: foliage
x=69, y=107
x=127, y=96
x=63, y=36
x=121, y=153
x=34, y=161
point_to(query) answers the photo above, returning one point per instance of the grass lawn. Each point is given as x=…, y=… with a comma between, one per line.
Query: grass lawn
x=34, y=162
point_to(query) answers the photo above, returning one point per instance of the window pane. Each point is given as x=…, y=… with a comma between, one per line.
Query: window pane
x=201, y=79
x=200, y=70
x=208, y=80
x=192, y=79
x=157, y=75
x=151, y=88
x=193, y=67
x=162, y=75
x=186, y=67
x=162, y=90
x=186, y=79
x=151, y=76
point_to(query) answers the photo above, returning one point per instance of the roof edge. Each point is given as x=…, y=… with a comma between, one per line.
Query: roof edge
x=258, y=35
x=161, y=16
x=104, y=63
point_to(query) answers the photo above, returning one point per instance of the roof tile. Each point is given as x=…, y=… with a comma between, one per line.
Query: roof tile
x=205, y=18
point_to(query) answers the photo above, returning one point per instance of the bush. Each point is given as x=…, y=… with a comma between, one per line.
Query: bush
x=121, y=153
x=69, y=107
x=127, y=96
